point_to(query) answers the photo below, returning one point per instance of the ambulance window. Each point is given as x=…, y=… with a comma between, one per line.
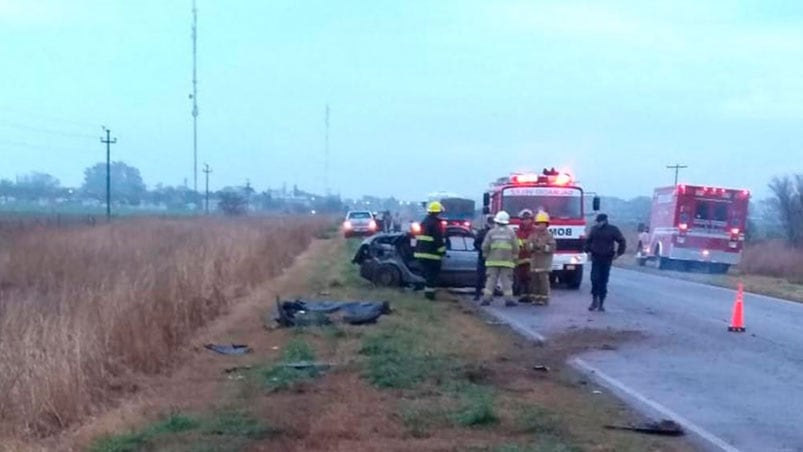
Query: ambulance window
x=720, y=211
x=702, y=211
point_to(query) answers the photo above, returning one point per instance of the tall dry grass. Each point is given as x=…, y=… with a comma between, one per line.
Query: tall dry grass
x=773, y=258
x=84, y=311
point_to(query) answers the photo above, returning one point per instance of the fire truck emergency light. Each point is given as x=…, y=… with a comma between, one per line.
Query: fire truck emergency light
x=524, y=178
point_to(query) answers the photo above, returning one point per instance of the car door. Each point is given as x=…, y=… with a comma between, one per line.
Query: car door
x=460, y=263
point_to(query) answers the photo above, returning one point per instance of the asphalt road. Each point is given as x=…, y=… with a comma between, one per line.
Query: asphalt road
x=732, y=391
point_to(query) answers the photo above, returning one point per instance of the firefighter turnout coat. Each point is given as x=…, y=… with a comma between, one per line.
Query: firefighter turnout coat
x=429, y=242
x=541, y=245
x=501, y=247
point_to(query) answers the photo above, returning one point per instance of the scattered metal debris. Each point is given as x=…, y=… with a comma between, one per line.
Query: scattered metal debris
x=233, y=349
x=318, y=366
x=541, y=367
x=596, y=392
x=664, y=427
x=230, y=370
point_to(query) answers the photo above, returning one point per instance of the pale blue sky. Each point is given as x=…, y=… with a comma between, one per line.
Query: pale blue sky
x=425, y=95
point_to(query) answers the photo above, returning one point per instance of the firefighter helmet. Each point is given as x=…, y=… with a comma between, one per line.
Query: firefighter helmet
x=435, y=207
x=502, y=217
x=525, y=214
x=542, y=217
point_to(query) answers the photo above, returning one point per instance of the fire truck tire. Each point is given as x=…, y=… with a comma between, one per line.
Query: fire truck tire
x=574, y=279
x=387, y=276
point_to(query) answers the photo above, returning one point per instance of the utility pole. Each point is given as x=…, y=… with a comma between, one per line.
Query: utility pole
x=326, y=153
x=677, y=167
x=194, y=97
x=109, y=142
x=207, y=170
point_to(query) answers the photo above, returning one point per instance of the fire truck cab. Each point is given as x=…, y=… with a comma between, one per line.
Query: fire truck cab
x=562, y=198
x=696, y=226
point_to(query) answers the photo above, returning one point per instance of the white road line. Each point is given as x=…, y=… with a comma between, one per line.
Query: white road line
x=615, y=384
x=517, y=326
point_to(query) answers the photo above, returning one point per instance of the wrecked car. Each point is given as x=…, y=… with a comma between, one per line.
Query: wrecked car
x=387, y=260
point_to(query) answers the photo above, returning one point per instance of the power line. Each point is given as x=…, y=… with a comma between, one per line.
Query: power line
x=49, y=117
x=43, y=147
x=18, y=125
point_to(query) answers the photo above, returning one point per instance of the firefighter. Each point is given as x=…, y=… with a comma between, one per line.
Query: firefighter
x=500, y=248
x=489, y=222
x=521, y=276
x=430, y=248
x=600, y=245
x=541, y=245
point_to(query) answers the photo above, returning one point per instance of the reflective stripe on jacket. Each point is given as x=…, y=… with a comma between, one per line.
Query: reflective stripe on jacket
x=524, y=252
x=500, y=247
x=429, y=244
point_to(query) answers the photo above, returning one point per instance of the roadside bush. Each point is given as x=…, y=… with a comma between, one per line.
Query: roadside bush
x=773, y=258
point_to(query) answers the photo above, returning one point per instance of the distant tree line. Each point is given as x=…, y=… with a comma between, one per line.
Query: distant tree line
x=129, y=189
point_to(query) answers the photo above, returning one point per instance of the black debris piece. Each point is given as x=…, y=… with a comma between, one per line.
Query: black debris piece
x=231, y=349
x=664, y=427
x=319, y=313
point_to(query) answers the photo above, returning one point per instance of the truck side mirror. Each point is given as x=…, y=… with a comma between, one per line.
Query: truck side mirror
x=595, y=204
x=486, y=210
x=486, y=200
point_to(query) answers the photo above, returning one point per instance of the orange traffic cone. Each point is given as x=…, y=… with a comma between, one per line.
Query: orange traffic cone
x=737, y=319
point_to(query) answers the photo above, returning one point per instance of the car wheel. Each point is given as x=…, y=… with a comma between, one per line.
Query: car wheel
x=387, y=276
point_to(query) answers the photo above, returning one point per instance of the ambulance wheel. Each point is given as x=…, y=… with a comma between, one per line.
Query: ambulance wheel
x=574, y=279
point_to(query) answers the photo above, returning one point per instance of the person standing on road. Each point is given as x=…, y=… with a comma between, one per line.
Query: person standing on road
x=500, y=248
x=430, y=248
x=521, y=276
x=541, y=245
x=397, y=222
x=600, y=244
x=478, y=239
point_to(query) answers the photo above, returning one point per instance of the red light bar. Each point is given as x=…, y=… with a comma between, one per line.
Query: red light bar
x=563, y=179
x=524, y=178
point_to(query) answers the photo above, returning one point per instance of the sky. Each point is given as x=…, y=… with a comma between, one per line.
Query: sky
x=424, y=95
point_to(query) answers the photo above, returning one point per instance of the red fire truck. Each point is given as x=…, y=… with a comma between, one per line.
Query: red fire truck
x=694, y=225
x=562, y=198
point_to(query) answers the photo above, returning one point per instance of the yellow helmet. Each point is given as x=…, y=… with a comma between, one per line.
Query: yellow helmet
x=435, y=207
x=542, y=217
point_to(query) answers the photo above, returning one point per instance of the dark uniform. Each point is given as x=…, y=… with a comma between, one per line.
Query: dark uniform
x=481, y=273
x=604, y=243
x=429, y=250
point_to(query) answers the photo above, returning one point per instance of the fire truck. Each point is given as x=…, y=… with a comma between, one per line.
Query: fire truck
x=694, y=225
x=559, y=195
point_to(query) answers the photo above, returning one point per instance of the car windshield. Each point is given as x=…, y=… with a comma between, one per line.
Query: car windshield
x=558, y=203
x=360, y=216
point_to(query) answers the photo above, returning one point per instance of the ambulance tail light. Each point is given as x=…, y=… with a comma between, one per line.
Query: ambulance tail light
x=735, y=231
x=683, y=227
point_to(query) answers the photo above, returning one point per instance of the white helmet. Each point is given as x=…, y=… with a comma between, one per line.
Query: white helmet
x=502, y=217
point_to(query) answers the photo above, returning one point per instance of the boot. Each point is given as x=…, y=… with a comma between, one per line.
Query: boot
x=601, y=302
x=594, y=304
x=485, y=302
x=509, y=303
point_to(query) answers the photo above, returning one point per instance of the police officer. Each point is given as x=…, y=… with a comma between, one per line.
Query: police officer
x=521, y=276
x=600, y=245
x=500, y=248
x=430, y=248
x=489, y=222
x=541, y=245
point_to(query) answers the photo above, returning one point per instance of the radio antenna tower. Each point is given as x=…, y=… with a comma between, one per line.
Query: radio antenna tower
x=194, y=97
x=326, y=153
